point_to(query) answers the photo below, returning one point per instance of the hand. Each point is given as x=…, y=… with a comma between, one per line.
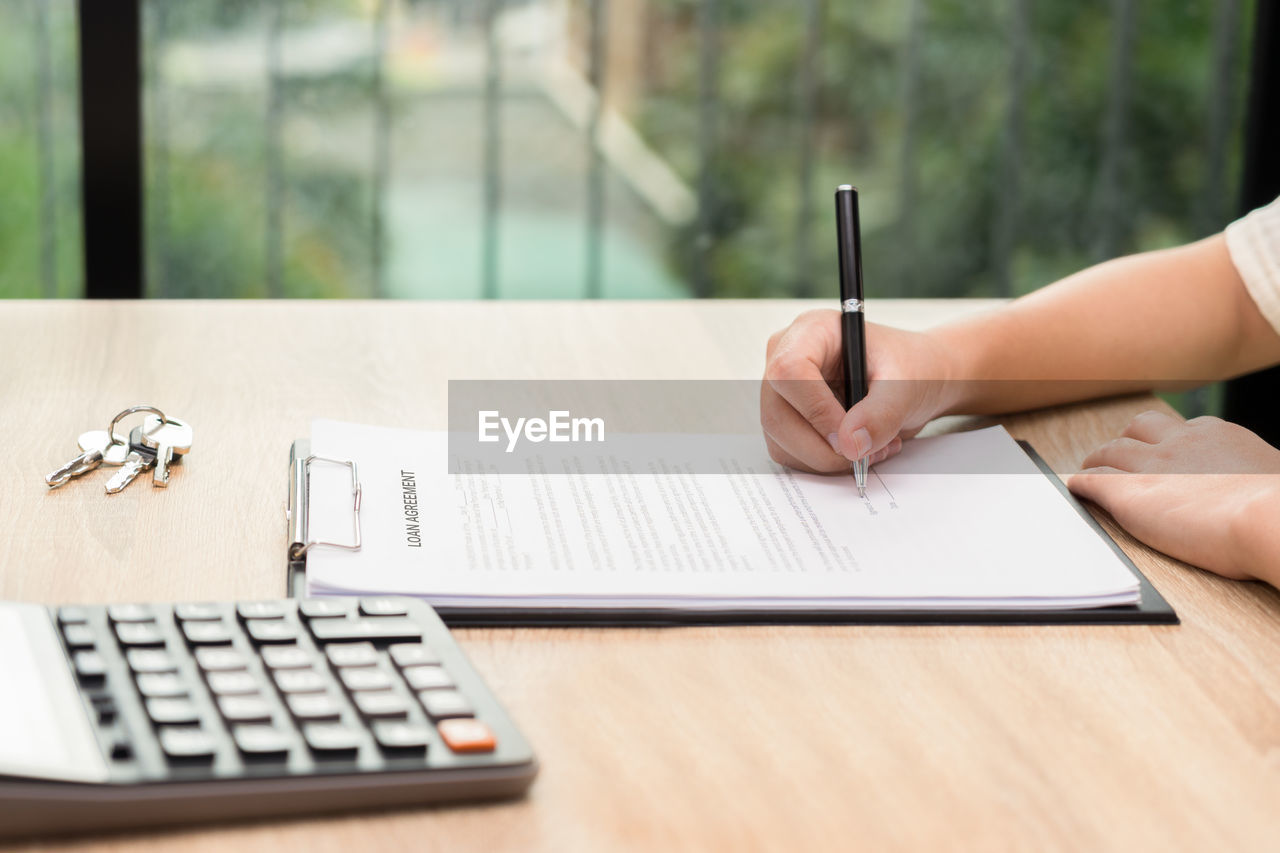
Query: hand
x=1205, y=491
x=805, y=424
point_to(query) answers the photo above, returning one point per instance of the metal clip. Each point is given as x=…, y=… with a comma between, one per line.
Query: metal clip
x=299, y=502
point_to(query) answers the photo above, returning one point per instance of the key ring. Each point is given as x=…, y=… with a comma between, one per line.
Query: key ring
x=132, y=410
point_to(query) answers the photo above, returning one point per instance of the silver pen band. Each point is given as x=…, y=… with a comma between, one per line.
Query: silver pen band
x=851, y=306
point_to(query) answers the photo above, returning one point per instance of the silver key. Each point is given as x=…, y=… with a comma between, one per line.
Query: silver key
x=168, y=438
x=89, y=458
x=140, y=458
x=115, y=451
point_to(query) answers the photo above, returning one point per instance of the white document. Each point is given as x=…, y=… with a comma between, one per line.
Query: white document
x=757, y=537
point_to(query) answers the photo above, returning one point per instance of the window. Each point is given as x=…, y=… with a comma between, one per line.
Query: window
x=633, y=148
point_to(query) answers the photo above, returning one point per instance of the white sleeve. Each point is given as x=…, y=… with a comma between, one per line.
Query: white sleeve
x=1254, y=244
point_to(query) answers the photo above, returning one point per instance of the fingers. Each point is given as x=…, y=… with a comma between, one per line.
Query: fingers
x=878, y=419
x=802, y=386
x=1152, y=427
x=890, y=449
x=797, y=443
x=805, y=421
x=778, y=454
x=1125, y=454
x=1095, y=483
x=798, y=410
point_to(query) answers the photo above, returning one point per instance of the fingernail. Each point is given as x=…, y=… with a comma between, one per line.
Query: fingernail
x=834, y=440
x=862, y=443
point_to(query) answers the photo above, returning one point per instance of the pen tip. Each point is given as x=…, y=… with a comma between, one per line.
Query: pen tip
x=862, y=491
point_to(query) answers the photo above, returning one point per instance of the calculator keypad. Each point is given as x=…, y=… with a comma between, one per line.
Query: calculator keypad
x=299, y=686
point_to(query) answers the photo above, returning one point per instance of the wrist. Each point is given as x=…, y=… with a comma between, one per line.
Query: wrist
x=1256, y=533
x=955, y=367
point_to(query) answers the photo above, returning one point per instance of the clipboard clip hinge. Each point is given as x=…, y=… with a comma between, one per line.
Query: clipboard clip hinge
x=299, y=506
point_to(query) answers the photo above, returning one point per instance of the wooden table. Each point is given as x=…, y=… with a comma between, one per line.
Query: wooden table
x=711, y=738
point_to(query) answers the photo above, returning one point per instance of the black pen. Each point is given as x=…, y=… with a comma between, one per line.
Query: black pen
x=853, y=332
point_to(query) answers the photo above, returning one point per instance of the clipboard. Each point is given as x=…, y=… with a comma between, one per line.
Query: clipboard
x=1152, y=609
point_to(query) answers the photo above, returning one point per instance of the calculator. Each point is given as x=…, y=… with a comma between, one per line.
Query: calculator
x=138, y=714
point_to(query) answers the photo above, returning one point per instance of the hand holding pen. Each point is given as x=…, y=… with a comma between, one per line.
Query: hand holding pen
x=900, y=382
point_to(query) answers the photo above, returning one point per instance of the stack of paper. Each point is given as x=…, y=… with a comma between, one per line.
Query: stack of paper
x=960, y=521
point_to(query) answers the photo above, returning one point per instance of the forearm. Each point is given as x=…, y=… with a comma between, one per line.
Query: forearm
x=1173, y=318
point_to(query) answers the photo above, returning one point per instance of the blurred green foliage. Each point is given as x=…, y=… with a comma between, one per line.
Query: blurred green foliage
x=209, y=183
x=939, y=86
x=39, y=151
x=977, y=131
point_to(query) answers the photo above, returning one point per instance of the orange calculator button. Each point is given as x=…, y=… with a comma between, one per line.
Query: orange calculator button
x=466, y=734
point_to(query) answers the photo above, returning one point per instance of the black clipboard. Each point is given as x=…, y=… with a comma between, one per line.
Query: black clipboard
x=1153, y=609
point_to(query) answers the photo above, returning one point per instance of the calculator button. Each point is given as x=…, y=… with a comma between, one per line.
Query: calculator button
x=79, y=636
x=151, y=660
x=73, y=615
x=467, y=735
x=401, y=736
x=331, y=738
x=440, y=704
x=383, y=607
x=197, y=612
x=262, y=741
x=180, y=743
x=427, y=677
x=317, y=608
x=166, y=712
x=232, y=683
x=352, y=654
x=220, y=660
x=261, y=609
x=271, y=631
x=300, y=681
x=287, y=657
x=367, y=678
x=413, y=654
x=206, y=633
x=130, y=613
x=245, y=709
x=383, y=704
x=314, y=706
x=161, y=685
x=119, y=747
x=139, y=634
x=389, y=628
x=105, y=708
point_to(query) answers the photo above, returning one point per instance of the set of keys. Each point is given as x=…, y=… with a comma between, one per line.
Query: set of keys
x=154, y=446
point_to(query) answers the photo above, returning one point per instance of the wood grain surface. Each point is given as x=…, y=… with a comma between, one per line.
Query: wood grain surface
x=833, y=737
